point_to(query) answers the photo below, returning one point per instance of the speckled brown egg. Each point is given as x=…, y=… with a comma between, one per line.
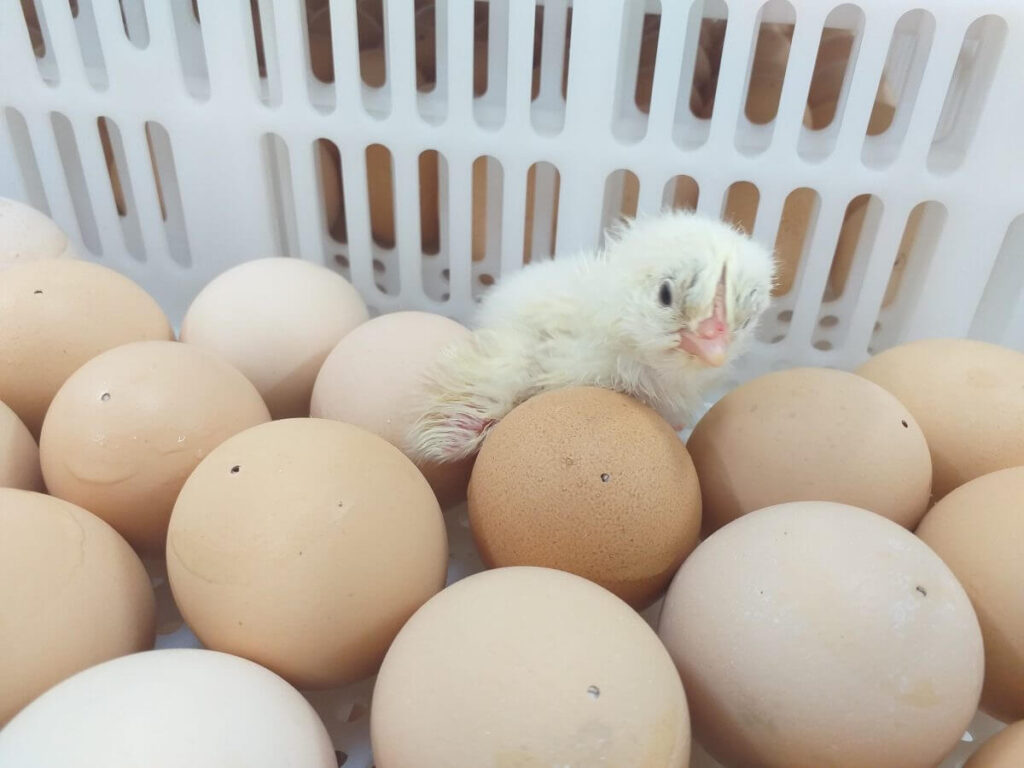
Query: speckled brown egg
x=73, y=594
x=968, y=397
x=27, y=234
x=588, y=481
x=19, y=454
x=810, y=434
x=371, y=379
x=978, y=530
x=55, y=315
x=129, y=426
x=528, y=668
x=304, y=545
x=1004, y=750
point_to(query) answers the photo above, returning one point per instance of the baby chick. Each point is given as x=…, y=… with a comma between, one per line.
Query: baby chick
x=655, y=314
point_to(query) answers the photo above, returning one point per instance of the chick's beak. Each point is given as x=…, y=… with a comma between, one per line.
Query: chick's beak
x=709, y=341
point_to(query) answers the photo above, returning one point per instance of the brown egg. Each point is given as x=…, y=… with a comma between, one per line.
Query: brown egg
x=371, y=378
x=968, y=398
x=810, y=434
x=978, y=530
x=814, y=634
x=304, y=545
x=74, y=594
x=530, y=668
x=19, y=454
x=55, y=315
x=588, y=481
x=275, y=320
x=129, y=426
x=28, y=235
x=1004, y=750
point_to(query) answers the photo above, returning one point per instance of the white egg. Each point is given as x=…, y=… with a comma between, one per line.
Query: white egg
x=169, y=709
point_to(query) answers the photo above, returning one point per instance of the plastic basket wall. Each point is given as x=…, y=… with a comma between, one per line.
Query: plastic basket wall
x=426, y=148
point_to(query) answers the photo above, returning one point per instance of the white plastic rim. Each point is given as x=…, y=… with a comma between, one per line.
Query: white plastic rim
x=219, y=164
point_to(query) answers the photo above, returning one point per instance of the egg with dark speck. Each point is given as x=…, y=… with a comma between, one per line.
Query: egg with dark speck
x=588, y=481
x=810, y=434
x=127, y=428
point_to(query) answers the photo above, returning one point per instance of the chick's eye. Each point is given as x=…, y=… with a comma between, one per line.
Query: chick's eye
x=665, y=294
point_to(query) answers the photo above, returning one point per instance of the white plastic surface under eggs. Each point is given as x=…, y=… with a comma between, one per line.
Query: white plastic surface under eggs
x=217, y=161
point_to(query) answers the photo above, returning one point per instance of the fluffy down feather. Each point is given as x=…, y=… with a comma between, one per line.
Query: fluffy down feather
x=657, y=314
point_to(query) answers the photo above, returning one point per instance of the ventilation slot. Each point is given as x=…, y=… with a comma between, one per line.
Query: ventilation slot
x=552, y=35
x=318, y=38
x=968, y=93
x=1002, y=306
x=25, y=156
x=830, y=82
x=268, y=83
x=541, y=225
x=490, y=61
x=332, y=191
x=320, y=49
x=856, y=237
x=898, y=87
x=191, y=52
x=168, y=193
x=649, y=33
x=764, y=80
x=621, y=196
x=911, y=264
x=380, y=189
x=430, y=212
x=136, y=26
x=279, y=190
x=94, y=65
x=768, y=67
x=538, y=48
x=71, y=161
x=682, y=193
x=426, y=45
x=741, y=205
x=793, y=236
x=39, y=39
x=636, y=69
x=488, y=191
x=433, y=184
x=481, y=35
x=121, y=187
x=702, y=60
x=381, y=195
x=431, y=66
x=857, y=251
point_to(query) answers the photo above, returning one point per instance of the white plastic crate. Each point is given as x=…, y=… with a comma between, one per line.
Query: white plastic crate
x=214, y=139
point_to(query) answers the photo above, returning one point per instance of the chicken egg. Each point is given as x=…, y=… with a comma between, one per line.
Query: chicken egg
x=978, y=530
x=275, y=320
x=813, y=633
x=1004, y=750
x=128, y=427
x=173, y=708
x=589, y=481
x=73, y=594
x=304, y=545
x=19, y=454
x=810, y=434
x=27, y=234
x=371, y=377
x=967, y=397
x=528, y=667
x=57, y=314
